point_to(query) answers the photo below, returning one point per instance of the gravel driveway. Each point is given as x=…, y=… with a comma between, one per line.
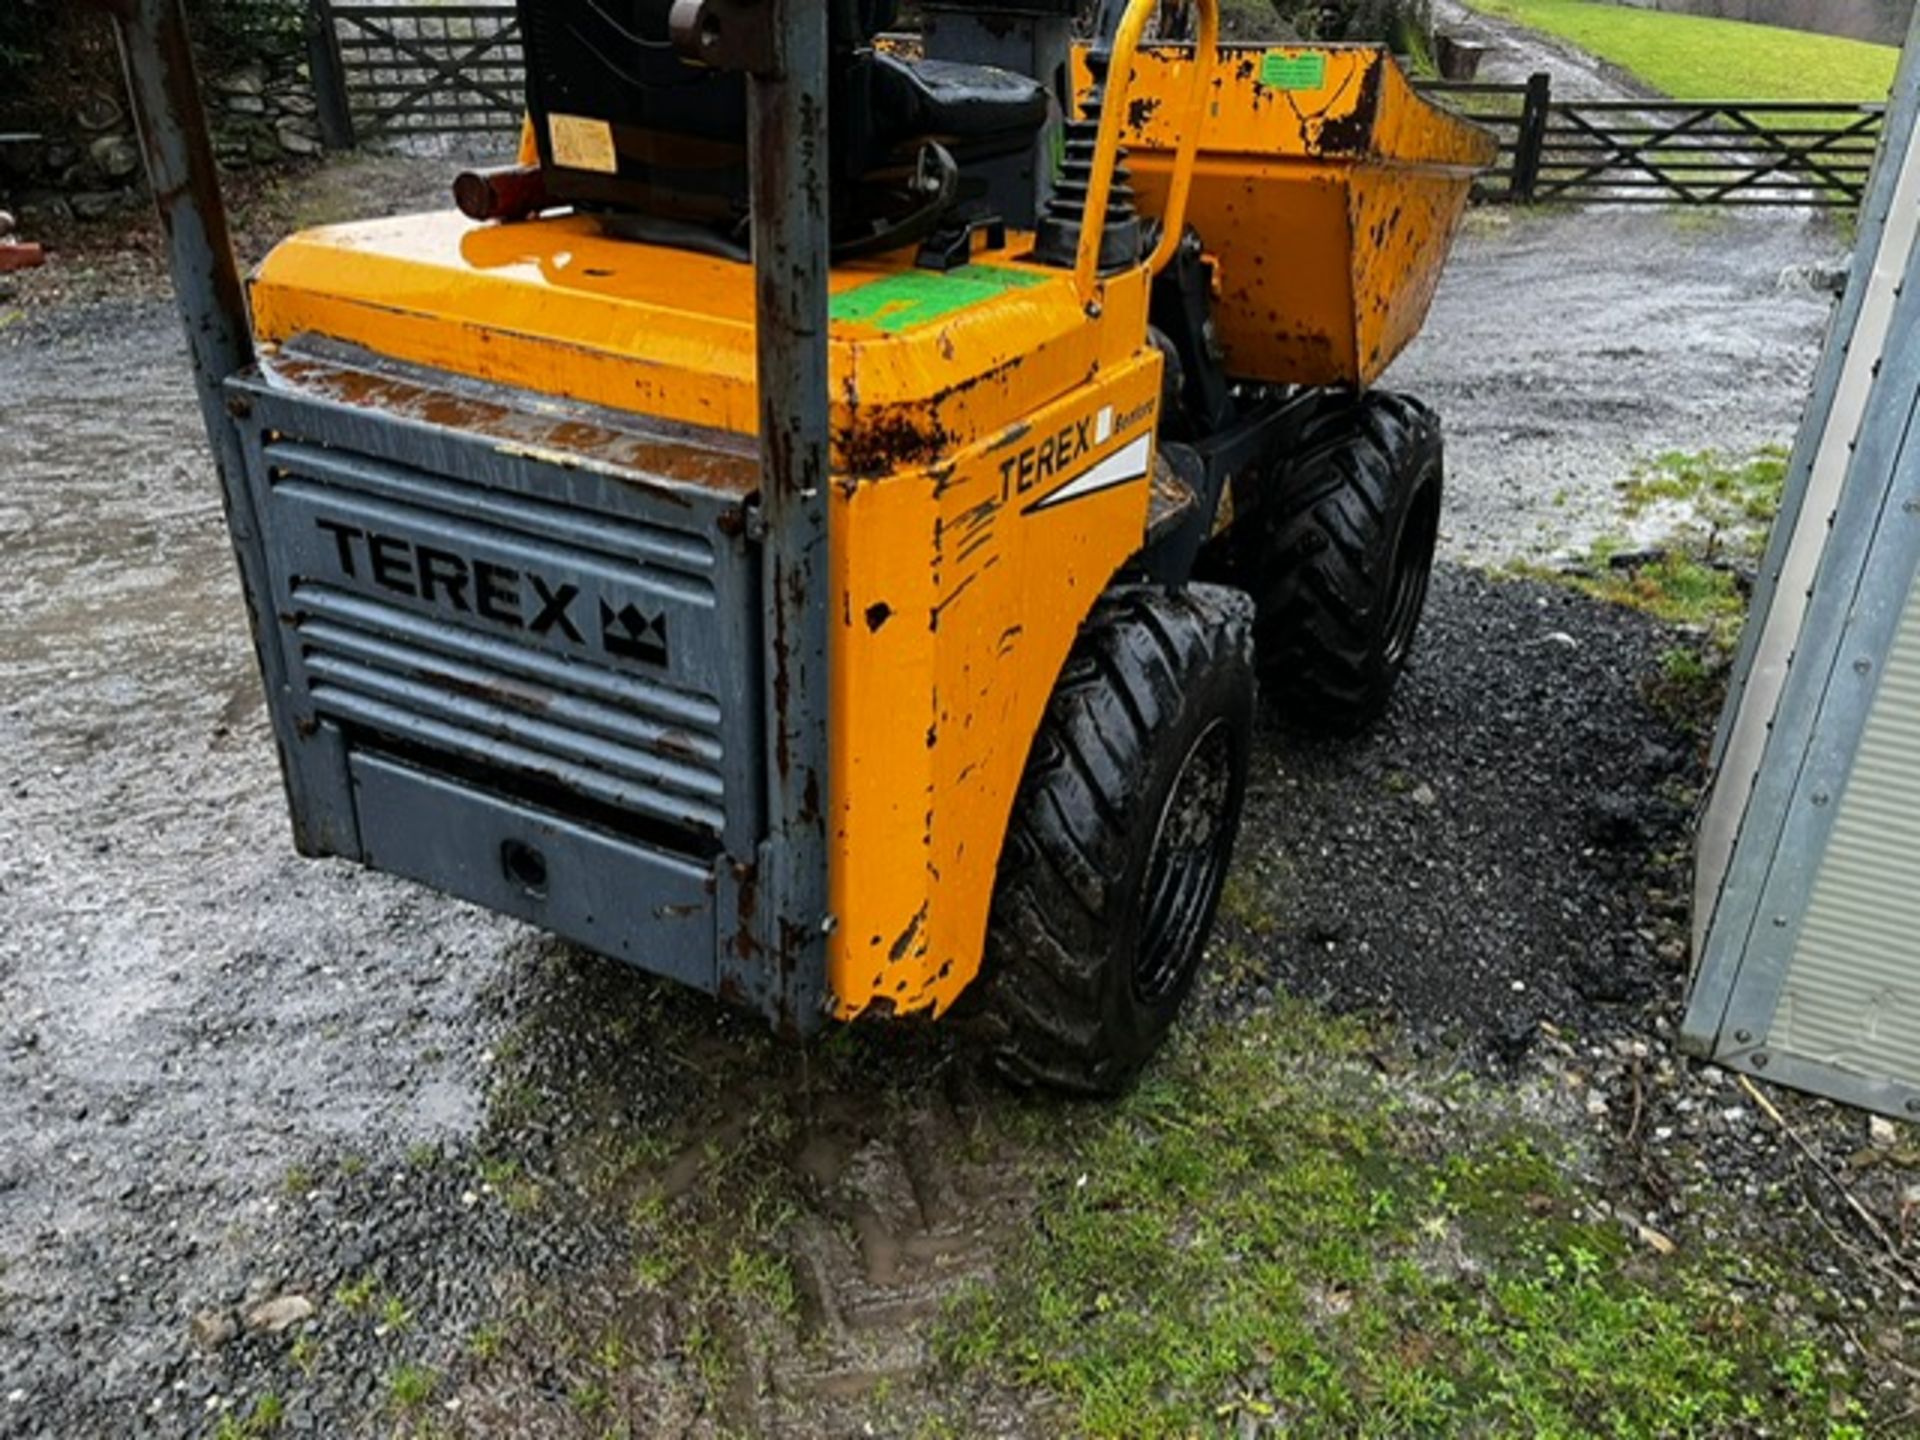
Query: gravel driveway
x=1567, y=347
x=229, y=1077
x=1568, y=344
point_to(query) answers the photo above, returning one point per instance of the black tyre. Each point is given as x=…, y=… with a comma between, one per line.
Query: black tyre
x=1340, y=559
x=1120, y=838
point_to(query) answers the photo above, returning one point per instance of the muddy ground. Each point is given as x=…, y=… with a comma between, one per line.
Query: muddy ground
x=230, y=1077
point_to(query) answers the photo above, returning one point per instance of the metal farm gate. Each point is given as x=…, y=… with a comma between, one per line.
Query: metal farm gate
x=416, y=73
x=1669, y=152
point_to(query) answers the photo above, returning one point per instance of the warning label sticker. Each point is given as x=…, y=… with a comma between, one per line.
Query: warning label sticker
x=581, y=143
x=1281, y=71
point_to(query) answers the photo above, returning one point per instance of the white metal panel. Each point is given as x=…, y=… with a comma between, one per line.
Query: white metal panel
x=1852, y=992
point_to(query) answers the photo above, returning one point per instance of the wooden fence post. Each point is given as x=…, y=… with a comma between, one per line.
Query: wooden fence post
x=1532, y=138
x=328, y=71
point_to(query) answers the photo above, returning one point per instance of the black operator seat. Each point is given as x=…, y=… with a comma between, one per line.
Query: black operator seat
x=630, y=130
x=975, y=110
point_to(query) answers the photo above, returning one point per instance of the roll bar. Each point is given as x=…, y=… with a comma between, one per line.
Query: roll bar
x=1126, y=44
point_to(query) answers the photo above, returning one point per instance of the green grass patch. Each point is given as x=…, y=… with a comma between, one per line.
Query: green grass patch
x=487, y=1342
x=358, y=1295
x=395, y=1317
x=261, y=1419
x=1677, y=588
x=410, y=1387
x=506, y=1178
x=1725, y=495
x=1260, y=1236
x=304, y=1354
x=1694, y=58
x=1716, y=513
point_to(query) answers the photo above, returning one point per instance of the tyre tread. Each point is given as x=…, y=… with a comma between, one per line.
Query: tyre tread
x=1314, y=567
x=1052, y=905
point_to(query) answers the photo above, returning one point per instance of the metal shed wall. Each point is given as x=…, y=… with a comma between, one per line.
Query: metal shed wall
x=1807, y=898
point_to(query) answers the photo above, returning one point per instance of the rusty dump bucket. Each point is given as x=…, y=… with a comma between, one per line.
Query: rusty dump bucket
x=1328, y=191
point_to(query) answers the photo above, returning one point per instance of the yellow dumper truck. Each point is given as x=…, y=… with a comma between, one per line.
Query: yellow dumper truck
x=812, y=528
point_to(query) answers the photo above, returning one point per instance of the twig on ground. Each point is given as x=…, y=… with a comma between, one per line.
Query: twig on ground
x=1906, y=1268
x=1889, y=1360
x=1865, y=1259
x=1639, y=1104
x=1894, y=1424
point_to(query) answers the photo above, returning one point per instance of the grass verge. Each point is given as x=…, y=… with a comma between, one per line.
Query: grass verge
x=1695, y=58
x=1265, y=1238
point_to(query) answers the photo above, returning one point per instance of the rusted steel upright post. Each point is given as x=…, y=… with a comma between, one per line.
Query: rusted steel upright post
x=787, y=118
x=782, y=46
x=164, y=92
x=165, y=95
x=328, y=72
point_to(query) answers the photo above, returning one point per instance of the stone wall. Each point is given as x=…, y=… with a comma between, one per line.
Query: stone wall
x=1884, y=22
x=86, y=163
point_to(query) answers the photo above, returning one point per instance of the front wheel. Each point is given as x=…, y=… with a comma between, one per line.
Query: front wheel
x=1340, y=558
x=1120, y=838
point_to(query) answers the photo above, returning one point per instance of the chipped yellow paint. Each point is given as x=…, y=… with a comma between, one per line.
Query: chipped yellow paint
x=1330, y=208
x=558, y=307
x=956, y=604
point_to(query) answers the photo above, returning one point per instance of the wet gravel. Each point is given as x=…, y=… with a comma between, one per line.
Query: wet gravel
x=1486, y=858
x=298, y=1080
x=1567, y=347
x=1568, y=344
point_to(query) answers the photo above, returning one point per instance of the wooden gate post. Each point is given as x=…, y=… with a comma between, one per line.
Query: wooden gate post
x=329, y=73
x=1532, y=137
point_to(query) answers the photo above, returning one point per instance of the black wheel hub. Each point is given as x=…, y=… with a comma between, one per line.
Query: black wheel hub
x=1185, y=866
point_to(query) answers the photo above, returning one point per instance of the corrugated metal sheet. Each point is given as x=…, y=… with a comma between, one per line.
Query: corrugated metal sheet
x=1852, y=991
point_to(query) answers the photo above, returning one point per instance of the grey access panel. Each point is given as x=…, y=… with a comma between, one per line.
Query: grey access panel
x=577, y=882
x=521, y=647
x=1851, y=994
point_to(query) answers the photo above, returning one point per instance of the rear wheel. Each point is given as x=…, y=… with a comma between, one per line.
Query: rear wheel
x=1340, y=558
x=1120, y=838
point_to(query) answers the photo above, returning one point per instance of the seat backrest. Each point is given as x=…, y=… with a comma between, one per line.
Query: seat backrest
x=624, y=123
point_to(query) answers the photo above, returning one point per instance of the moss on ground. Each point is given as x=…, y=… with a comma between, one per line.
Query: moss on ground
x=1714, y=514
x=1266, y=1234
x=1728, y=497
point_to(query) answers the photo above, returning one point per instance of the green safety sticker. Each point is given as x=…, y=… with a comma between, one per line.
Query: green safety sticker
x=1293, y=72
x=911, y=298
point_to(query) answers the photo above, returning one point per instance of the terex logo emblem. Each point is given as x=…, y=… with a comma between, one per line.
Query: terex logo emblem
x=1049, y=457
x=518, y=599
x=633, y=635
